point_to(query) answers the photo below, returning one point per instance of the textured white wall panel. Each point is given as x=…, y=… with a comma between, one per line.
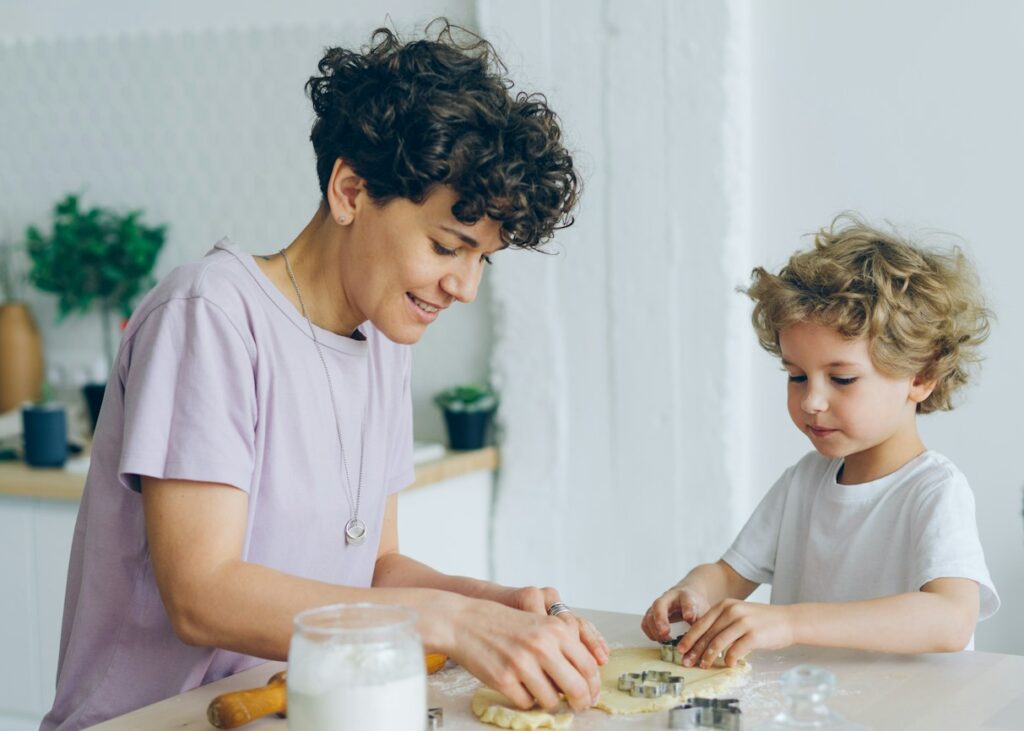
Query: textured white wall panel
x=612, y=355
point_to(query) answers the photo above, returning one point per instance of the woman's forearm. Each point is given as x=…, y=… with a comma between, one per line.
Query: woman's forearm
x=248, y=608
x=399, y=570
x=253, y=605
x=213, y=598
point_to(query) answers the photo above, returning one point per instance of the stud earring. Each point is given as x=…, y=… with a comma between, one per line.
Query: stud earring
x=342, y=219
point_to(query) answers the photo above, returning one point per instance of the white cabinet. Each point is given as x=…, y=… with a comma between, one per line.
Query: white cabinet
x=446, y=525
x=35, y=542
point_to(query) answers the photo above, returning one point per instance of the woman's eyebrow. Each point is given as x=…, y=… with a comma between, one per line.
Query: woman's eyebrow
x=468, y=240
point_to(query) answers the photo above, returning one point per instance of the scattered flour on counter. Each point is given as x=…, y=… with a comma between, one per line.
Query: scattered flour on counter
x=453, y=680
x=761, y=698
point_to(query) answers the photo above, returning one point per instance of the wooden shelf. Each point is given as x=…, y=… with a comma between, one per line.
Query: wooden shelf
x=455, y=464
x=18, y=479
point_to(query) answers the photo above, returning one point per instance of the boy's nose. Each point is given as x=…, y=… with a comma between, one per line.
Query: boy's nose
x=813, y=401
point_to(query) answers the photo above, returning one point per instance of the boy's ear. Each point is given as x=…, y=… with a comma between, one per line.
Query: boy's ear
x=921, y=388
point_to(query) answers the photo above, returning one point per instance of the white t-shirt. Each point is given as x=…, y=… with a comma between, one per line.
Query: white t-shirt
x=815, y=540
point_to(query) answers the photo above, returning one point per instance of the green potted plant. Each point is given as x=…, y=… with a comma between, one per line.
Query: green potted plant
x=21, y=348
x=95, y=257
x=468, y=411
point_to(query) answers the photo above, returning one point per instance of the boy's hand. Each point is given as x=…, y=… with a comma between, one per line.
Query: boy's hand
x=738, y=627
x=678, y=603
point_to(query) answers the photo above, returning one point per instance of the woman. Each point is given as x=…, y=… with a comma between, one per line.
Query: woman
x=258, y=425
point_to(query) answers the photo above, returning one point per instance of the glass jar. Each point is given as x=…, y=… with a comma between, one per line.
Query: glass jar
x=353, y=667
x=806, y=690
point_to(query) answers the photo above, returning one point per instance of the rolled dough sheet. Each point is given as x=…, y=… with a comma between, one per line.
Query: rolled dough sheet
x=696, y=682
x=492, y=707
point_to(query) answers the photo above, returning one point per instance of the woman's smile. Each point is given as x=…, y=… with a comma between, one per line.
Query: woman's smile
x=424, y=311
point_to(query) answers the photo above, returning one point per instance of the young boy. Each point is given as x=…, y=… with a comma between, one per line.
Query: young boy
x=870, y=541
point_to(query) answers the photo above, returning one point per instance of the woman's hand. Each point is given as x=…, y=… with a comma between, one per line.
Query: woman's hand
x=736, y=627
x=526, y=655
x=537, y=600
x=681, y=602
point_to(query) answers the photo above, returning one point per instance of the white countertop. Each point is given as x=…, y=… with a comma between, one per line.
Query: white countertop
x=960, y=691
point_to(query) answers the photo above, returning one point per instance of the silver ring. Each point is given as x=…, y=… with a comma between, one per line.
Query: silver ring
x=558, y=608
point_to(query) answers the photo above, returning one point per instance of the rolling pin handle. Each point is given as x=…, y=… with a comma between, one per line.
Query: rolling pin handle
x=231, y=710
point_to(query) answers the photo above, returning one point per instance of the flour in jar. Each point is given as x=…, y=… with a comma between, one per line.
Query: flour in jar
x=346, y=687
x=398, y=705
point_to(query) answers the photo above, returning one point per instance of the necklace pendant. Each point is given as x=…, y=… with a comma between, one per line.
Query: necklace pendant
x=355, y=532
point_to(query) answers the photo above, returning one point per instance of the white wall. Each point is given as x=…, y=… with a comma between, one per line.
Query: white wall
x=909, y=112
x=194, y=112
x=622, y=359
x=31, y=20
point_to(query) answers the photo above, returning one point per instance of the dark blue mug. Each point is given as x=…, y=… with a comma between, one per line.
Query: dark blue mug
x=46, y=435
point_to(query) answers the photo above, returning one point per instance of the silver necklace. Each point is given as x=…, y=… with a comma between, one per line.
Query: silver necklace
x=355, y=529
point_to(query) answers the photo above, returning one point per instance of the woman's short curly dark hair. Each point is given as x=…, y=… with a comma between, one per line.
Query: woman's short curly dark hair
x=411, y=116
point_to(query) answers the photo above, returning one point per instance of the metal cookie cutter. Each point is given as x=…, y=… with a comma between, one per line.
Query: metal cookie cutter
x=435, y=718
x=656, y=676
x=651, y=684
x=717, y=713
x=670, y=651
x=686, y=717
x=628, y=680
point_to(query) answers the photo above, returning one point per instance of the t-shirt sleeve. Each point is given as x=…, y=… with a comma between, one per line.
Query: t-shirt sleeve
x=401, y=472
x=189, y=398
x=752, y=554
x=946, y=542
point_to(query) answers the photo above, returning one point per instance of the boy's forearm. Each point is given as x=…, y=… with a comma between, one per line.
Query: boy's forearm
x=717, y=581
x=903, y=623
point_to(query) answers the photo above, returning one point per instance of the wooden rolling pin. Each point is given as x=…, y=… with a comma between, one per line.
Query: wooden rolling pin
x=231, y=710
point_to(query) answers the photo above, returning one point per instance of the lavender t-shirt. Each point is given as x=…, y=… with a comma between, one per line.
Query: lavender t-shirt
x=218, y=380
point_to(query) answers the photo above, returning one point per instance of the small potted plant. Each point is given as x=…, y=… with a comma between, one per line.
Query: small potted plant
x=468, y=411
x=45, y=431
x=95, y=256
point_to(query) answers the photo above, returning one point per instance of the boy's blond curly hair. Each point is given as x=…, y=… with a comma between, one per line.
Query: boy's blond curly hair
x=921, y=310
